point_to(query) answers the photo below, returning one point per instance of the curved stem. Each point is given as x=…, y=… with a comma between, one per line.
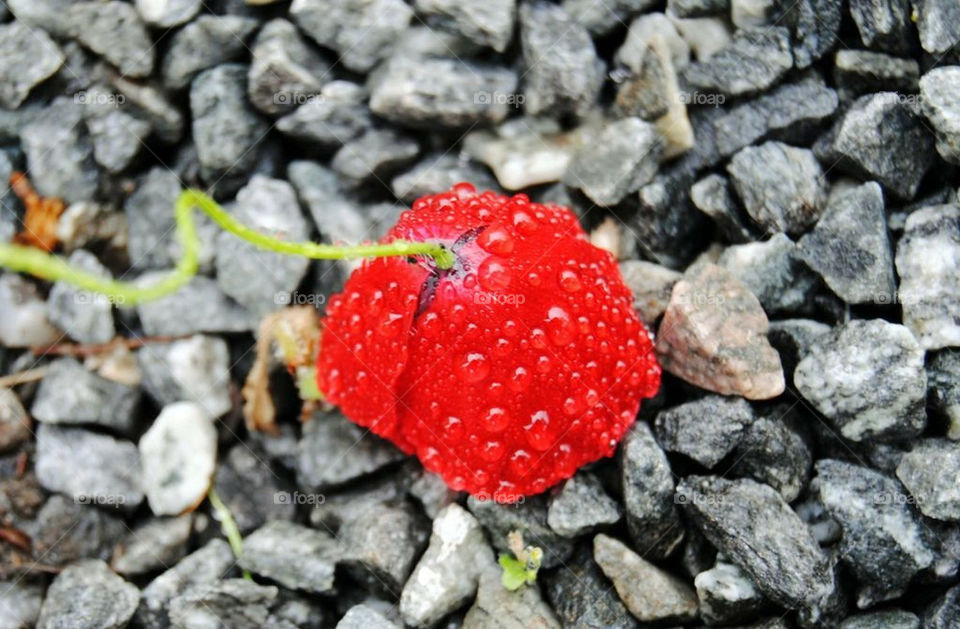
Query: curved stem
x=54, y=268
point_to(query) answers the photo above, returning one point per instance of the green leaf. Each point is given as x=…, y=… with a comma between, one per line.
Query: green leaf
x=514, y=572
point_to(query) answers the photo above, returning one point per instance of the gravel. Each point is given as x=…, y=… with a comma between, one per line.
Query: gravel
x=88, y=594
x=706, y=430
x=293, y=555
x=28, y=57
x=929, y=472
x=582, y=506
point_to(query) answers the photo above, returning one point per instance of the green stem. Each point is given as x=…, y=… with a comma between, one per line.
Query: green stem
x=54, y=268
x=229, y=526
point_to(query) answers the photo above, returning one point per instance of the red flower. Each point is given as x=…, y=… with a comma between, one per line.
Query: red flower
x=505, y=373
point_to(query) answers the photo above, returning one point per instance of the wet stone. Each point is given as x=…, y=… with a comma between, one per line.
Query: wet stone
x=71, y=394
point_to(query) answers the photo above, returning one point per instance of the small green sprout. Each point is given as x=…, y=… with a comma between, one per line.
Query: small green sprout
x=522, y=568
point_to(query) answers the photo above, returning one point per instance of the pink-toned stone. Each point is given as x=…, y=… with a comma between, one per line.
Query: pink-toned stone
x=713, y=335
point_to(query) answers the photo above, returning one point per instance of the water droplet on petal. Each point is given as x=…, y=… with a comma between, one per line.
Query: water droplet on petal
x=496, y=419
x=390, y=326
x=519, y=380
x=524, y=222
x=493, y=275
x=492, y=451
x=561, y=326
x=496, y=240
x=473, y=368
x=570, y=281
x=452, y=428
x=538, y=431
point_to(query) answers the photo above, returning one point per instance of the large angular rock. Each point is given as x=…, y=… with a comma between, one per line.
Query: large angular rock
x=581, y=506
x=752, y=62
x=71, y=394
x=581, y=595
x=772, y=452
x=114, y=31
x=940, y=91
x=293, y=555
x=27, y=58
x=333, y=117
x=929, y=472
x=285, y=70
x=706, y=430
x=867, y=378
x=713, y=335
x=88, y=594
x=483, y=23
x=205, y=42
x=380, y=543
x=374, y=157
x=59, y=153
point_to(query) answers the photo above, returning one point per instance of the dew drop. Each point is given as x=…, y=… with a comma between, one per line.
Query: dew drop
x=390, y=325
x=519, y=463
x=493, y=275
x=538, y=431
x=375, y=305
x=492, y=451
x=510, y=328
x=496, y=419
x=501, y=348
x=473, y=368
x=543, y=364
x=538, y=338
x=430, y=325
x=524, y=222
x=519, y=380
x=561, y=326
x=452, y=428
x=569, y=281
x=496, y=240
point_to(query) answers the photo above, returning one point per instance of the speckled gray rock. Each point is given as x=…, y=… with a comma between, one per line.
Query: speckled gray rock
x=203, y=566
x=333, y=451
x=115, y=31
x=362, y=32
x=441, y=92
x=28, y=57
x=943, y=394
x=364, y=617
x=751, y=524
x=88, y=595
x=167, y=13
x=883, y=541
x=293, y=555
x=940, y=91
x=59, y=154
x=652, y=517
x=71, y=394
x=47, y=14
x=158, y=543
x=496, y=607
x=882, y=138
x=782, y=187
x=887, y=619
x=374, y=156
x=89, y=467
x=931, y=473
x=727, y=595
x=333, y=117
x=943, y=612
x=196, y=369
x=849, y=246
x=338, y=217
x=712, y=196
x=225, y=128
x=601, y=17
x=15, y=425
x=251, y=489
x=178, y=454
x=529, y=518
x=753, y=61
x=867, y=378
x=789, y=113
x=66, y=531
x=205, y=42
x=651, y=285
x=230, y=603
x=774, y=273
x=25, y=322
x=929, y=288
x=938, y=22
x=770, y=451
x=650, y=594
x=706, y=430
x=857, y=72
x=20, y=603
x=118, y=136
x=440, y=172
x=883, y=24
x=698, y=8
x=199, y=306
x=581, y=595
x=250, y=275
x=581, y=506
x=816, y=28
x=447, y=574
x=561, y=75
x=87, y=317
x=285, y=70
x=623, y=157
x=381, y=543
x=484, y=23
x=713, y=335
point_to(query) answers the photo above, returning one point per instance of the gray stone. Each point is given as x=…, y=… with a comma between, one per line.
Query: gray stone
x=561, y=75
x=422, y=41
x=602, y=16
x=751, y=525
x=225, y=129
x=882, y=138
x=884, y=24
x=651, y=285
x=28, y=57
x=195, y=369
x=333, y=117
x=581, y=595
x=337, y=217
x=49, y=15
x=623, y=157
x=646, y=93
x=293, y=555
x=849, y=246
x=24, y=322
x=158, y=543
x=117, y=135
x=362, y=32
x=938, y=22
x=939, y=92
x=816, y=29
x=791, y=113
x=887, y=619
x=930, y=472
x=374, y=156
x=205, y=42
x=929, y=287
x=857, y=72
x=447, y=574
x=285, y=70
x=66, y=531
x=772, y=452
x=71, y=394
x=712, y=196
x=432, y=493
x=199, y=306
x=203, y=566
x=581, y=506
x=148, y=101
x=782, y=187
x=944, y=612
x=727, y=595
x=334, y=451
x=114, y=31
x=484, y=23
x=250, y=275
x=59, y=154
x=496, y=607
x=706, y=430
x=713, y=335
x=167, y=13
x=88, y=595
x=20, y=603
x=883, y=541
x=15, y=425
x=381, y=543
x=774, y=272
x=653, y=520
x=650, y=594
x=436, y=92
x=178, y=455
x=251, y=490
x=642, y=36
x=867, y=378
x=943, y=393
x=87, y=317
x=364, y=617
x=439, y=172
x=529, y=518
x=752, y=62
x=237, y=603
x=89, y=467
x=698, y=8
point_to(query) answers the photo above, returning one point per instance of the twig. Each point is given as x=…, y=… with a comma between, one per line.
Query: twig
x=22, y=377
x=229, y=526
